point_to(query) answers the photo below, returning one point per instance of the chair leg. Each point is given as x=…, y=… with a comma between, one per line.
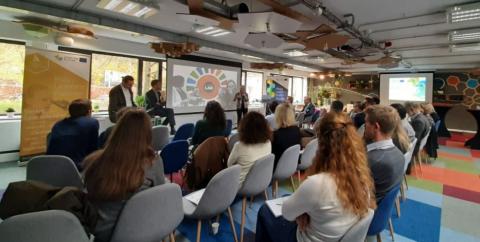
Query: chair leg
x=379, y=238
x=292, y=183
x=298, y=177
x=265, y=194
x=252, y=198
x=405, y=178
x=199, y=230
x=217, y=219
x=230, y=217
x=276, y=189
x=390, y=225
x=402, y=191
x=244, y=214
x=397, y=206
x=172, y=237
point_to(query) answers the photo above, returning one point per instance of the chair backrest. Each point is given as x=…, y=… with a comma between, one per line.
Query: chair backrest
x=437, y=124
x=44, y=226
x=259, y=176
x=228, y=129
x=358, y=231
x=423, y=142
x=160, y=137
x=184, y=132
x=219, y=193
x=55, y=170
x=232, y=140
x=409, y=154
x=383, y=212
x=150, y=215
x=174, y=156
x=287, y=164
x=308, y=154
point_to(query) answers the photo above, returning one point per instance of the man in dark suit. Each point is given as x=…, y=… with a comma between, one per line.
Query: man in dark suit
x=156, y=107
x=75, y=136
x=120, y=96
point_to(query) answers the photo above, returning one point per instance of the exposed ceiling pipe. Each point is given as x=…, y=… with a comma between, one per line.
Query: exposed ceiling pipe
x=92, y=18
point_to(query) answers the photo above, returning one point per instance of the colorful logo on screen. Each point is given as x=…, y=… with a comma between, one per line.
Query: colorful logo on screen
x=271, y=88
x=207, y=81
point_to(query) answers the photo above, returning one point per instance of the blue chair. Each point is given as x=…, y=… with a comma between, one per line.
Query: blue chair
x=229, y=128
x=184, y=132
x=174, y=156
x=382, y=214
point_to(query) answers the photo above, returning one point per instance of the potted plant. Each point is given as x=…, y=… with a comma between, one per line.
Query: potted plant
x=140, y=100
x=10, y=112
x=96, y=108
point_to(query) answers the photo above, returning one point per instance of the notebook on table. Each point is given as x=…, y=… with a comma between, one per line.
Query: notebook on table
x=275, y=205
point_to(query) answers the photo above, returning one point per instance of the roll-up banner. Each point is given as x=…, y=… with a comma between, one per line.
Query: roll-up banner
x=51, y=81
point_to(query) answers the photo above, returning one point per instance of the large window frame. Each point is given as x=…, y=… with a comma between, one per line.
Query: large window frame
x=244, y=81
x=138, y=81
x=18, y=111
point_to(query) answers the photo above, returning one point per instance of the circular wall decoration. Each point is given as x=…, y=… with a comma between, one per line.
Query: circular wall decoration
x=438, y=83
x=472, y=83
x=207, y=81
x=453, y=81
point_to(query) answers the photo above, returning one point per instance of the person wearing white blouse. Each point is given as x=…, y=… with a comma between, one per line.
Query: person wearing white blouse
x=254, y=143
x=337, y=194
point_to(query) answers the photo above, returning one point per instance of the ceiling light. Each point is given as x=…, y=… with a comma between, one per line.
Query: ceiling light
x=465, y=47
x=128, y=7
x=301, y=67
x=295, y=53
x=252, y=57
x=212, y=31
x=467, y=35
x=467, y=12
x=322, y=77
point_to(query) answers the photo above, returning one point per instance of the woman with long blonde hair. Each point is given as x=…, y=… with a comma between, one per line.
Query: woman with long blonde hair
x=338, y=192
x=287, y=133
x=126, y=165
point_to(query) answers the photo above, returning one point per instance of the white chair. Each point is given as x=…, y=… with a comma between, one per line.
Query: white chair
x=286, y=167
x=55, y=170
x=44, y=226
x=358, y=231
x=232, y=140
x=306, y=158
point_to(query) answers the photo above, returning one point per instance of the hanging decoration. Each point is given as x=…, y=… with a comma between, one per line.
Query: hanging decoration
x=175, y=49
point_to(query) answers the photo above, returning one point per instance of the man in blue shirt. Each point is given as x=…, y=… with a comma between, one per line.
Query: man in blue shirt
x=75, y=136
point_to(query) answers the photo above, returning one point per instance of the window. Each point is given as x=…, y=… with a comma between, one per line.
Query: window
x=12, y=57
x=254, y=87
x=297, y=88
x=242, y=80
x=107, y=71
x=150, y=72
x=164, y=76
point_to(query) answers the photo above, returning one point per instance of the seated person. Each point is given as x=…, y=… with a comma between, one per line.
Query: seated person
x=102, y=139
x=359, y=118
x=155, y=107
x=287, y=133
x=336, y=106
x=271, y=117
x=290, y=100
x=385, y=160
x=75, y=136
x=420, y=124
x=336, y=194
x=127, y=165
x=402, y=112
x=254, y=143
x=213, y=123
x=306, y=115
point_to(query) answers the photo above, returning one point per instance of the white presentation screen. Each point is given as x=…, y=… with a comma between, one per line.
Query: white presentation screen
x=190, y=85
x=401, y=88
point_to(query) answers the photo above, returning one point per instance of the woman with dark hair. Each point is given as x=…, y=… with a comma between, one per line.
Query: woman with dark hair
x=213, y=123
x=254, y=143
x=126, y=165
x=336, y=194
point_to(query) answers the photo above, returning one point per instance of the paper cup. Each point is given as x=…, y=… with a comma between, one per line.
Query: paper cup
x=215, y=227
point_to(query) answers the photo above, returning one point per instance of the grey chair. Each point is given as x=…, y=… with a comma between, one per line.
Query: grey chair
x=306, y=159
x=257, y=181
x=160, y=137
x=55, y=170
x=286, y=167
x=150, y=215
x=234, y=138
x=44, y=226
x=218, y=196
x=358, y=232
x=423, y=142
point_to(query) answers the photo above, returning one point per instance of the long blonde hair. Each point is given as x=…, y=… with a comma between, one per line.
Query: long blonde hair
x=341, y=153
x=400, y=137
x=284, y=115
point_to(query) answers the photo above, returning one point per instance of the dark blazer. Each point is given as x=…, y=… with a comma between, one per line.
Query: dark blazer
x=151, y=99
x=203, y=131
x=284, y=138
x=74, y=138
x=117, y=101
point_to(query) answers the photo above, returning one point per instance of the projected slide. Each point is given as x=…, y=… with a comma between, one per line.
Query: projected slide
x=407, y=88
x=190, y=85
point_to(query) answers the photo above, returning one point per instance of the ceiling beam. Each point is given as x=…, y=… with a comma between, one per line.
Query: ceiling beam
x=87, y=17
